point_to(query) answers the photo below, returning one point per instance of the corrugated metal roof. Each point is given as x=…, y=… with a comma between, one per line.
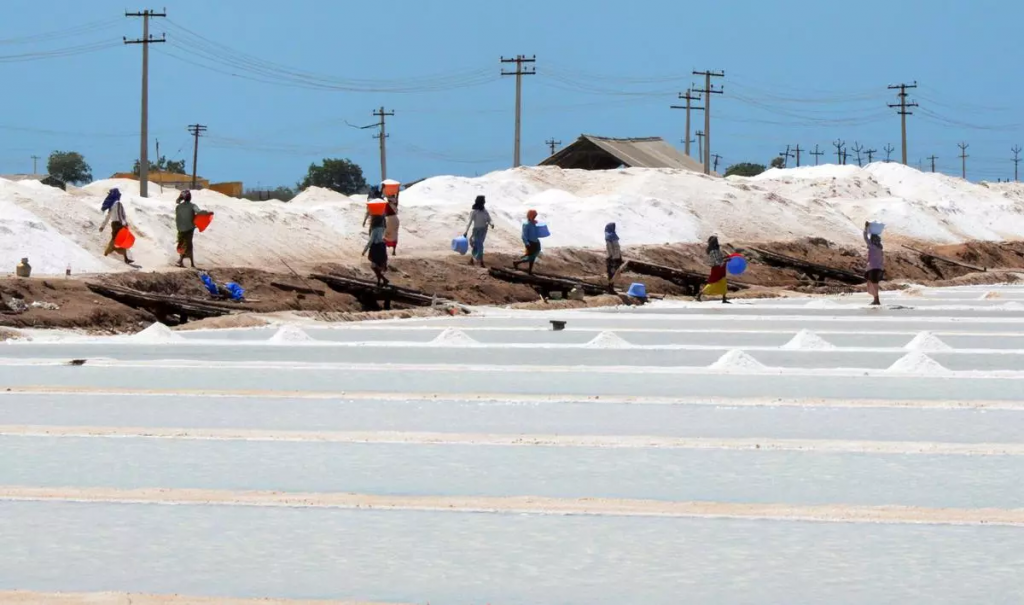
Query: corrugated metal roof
x=646, y=152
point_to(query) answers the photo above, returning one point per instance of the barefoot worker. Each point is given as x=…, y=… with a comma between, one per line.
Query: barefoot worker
x=117, y=219
x=376, y=250
x=479, y=223
x=613, y=254
x=875, y=270
x=531, y=240
x=717, y=285
x=185, y=213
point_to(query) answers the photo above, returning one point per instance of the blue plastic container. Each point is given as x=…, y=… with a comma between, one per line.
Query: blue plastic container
x=736, y=265
x=460, y=244
x=637, y=290
x=542, y=230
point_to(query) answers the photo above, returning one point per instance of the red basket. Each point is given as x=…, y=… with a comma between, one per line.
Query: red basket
x=377, y=207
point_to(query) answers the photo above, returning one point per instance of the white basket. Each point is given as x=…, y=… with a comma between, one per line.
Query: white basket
x=876, y=228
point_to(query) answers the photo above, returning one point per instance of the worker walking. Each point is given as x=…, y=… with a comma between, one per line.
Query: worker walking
x=117, y=219
x=479, y=223
x=613, y=254
x=875, y=270
x=717, y=285
x=376, y=250
x=185, y=213
x=531, y=240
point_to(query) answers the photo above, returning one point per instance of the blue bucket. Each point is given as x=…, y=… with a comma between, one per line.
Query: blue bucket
x=542, y=230
x=460, y=244
x=637, y=290
x=736, y=265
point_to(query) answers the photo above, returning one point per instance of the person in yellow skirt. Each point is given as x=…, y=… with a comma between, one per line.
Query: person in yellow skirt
x=717, y=285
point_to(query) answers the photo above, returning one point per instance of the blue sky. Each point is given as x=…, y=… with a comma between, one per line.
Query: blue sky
x=801, y=72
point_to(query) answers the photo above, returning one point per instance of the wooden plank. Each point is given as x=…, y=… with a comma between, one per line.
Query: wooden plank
x=163, y=304
x=546, y=282
x=813, y=270
x=946, y=259
x=299, y=289
x=366, y=289
x=687, y=279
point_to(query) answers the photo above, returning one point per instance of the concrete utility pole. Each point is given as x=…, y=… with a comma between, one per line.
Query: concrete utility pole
x=196, y=130
x=871, y=154
x=888, y=149
x=963, y=159
x=840, y=150
x=857, y=148
x=145, y=41
x=817, y=154
x=932, y=159
x=1016, y=160
x=785, y=155
x=718, y=158
x=383, y=136
x=519, y=73
x=707, y=91
x=903, y=106
x=689, y=98
x=798, y=155
x=700, y=142
x=35, y=159
x=552, y=144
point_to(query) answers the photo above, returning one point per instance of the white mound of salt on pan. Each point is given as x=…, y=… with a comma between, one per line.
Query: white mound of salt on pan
x=289, y=333
x=806, y=340
x=452, y=337
x=608, y=340
x=926, y=341
x=822, y=303
x=737, y=360
x=919, y=364
x=156, y=333
x=1012, y=306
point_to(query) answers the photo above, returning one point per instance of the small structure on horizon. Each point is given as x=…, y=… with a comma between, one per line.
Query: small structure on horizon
x=45, y=179
x=591, y=152
x=174, y=180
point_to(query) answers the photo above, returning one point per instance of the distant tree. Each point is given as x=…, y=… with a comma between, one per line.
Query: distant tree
x=284, y=194
x=779, y=162
x=745, y=169
x=70, y=167
x=163, y=165
x=343, y=176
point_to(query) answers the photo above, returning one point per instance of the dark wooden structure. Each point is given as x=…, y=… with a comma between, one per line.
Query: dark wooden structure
x=688, y=280
x=298, y=289
x=168, y=309
x=813, y=271
x=371, y=296
x=929, y=258
x=546, y=284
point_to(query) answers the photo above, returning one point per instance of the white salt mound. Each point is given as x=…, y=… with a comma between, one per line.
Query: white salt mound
x=737, y=360
x=452, y=337
x=926, y=341
x=822, y=303
x=289, y=333
x=1012, y=306
x=919, y=364
x=805, y=340
x=156, y=333
x=608, y=340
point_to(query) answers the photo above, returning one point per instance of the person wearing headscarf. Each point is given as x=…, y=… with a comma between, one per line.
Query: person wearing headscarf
x=716, y=285
x=376, y=250
x=875, y=271
x=479, y=223
x=185, y=213
x=117, y=219
x=531, y=240
x=613, y=253
x=391, y=223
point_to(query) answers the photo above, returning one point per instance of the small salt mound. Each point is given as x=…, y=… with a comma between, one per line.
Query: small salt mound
x=806, y=340
x=452, y=337
x=822, y=303
x=156, y=333
x=608, y=340
x=926, y=341
x=1012, y=306
x=917, y=363
x=289, y=333
x=738, y=361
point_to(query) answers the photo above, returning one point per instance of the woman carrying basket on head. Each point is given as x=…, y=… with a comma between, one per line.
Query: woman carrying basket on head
x=717, y=285
x=531, y=240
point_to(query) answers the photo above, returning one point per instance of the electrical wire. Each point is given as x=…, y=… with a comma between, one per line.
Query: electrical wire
x=71, y=32
x=60, y=52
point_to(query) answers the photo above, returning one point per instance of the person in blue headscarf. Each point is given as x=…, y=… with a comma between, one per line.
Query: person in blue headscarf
x=117, y=219
x=613, y=253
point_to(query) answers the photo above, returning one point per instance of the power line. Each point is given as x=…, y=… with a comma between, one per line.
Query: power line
x=35, y=159
x=145, y=41
x=382, y=135
x=196, y=130
x=817, y=154
x=857, y=148
x=871, y=154
x=903, y=106
x=707, y=91
x=785, y=157
x=717, y=159
x=689, y=98
x=840, y=151
x=932, y=158
x=552, y=144
x=519, y=60
x=888, y=149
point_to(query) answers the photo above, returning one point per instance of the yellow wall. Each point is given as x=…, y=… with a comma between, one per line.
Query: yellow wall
x=167, y=179
x=231, y=189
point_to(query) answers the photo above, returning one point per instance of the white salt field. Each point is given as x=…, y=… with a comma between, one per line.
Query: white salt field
x=794, y=450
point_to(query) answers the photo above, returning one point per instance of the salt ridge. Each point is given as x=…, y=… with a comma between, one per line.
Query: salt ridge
x=453, y=337
x=806, y=340
x=290, y=333
x=918, y=364
x=156, y=333
x=737, y=360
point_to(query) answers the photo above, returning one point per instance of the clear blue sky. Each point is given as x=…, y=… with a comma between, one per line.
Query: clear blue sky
x=797, y=72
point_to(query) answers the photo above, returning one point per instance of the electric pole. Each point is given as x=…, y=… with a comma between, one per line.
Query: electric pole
x=35, y=159
x=785, y=155
x=717, y=159
x=838, y=144
x=145, y=41
x=196, y=130
x=553, y=144
x=857, y=148
x=707, y=91
x=932, y=158
x=700, y=142
x=798, y=155
x=871, y=154
x=1016, y=160
x=689, y=98
x=383, y=136
x=817, y=154
x=963, y=159
x=519, y=73
x=903, y=106
x=888, y=149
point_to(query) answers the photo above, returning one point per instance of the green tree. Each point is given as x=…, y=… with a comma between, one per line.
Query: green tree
x=163, y=165
x=778, y=162
x=745, y=169
x=70, y=167
x=343, y=176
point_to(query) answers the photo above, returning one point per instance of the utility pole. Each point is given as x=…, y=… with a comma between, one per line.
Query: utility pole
x=383, y=136
x=145, y=41
x=963, y=159
x=857, y=148
x=708, y=90
x=785, y=155
x=700, y=142
x=689, y=98
x=932, y=158
x=718, y=158
x=888, y=149
x=519, y=60
x=553, y=144
x=838, y=144
x=196, y=130
x=798, y=155
x=35, y=159
x=903, y=106
x=871, y=154
x=817, y=154
x=1016, y=160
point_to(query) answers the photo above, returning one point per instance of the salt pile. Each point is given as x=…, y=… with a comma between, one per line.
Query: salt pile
x=919, y=364
x=608, y=340
x=1012, y=306
x=290, y=334
x=156, y=333
x=823, y=303
x=926, y=341
x=452, y=337
x=805, y=340
x=737, y=360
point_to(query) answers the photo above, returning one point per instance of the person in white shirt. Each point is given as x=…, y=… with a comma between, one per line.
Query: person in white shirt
x=479, y=222
x=117, y=219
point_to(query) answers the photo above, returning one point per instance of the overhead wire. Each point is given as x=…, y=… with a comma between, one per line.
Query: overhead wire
x=71, y=32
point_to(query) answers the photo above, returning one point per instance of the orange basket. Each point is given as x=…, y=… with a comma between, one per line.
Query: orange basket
x=377, y=207
x=390, y=188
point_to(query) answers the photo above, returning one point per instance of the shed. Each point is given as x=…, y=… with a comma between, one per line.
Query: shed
x=591, y=152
